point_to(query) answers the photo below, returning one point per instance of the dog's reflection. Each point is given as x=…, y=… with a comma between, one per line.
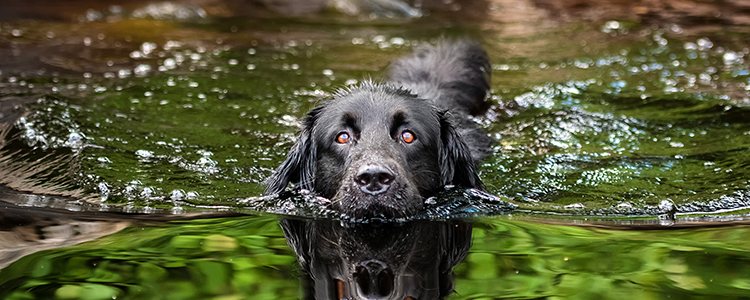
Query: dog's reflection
x=405, y=261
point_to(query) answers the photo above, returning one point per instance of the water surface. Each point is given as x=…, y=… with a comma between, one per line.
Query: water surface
x=610, y=114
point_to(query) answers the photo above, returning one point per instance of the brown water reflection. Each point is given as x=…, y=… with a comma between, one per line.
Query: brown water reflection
x=81, y=35
x=728, y=12
x=24, y=231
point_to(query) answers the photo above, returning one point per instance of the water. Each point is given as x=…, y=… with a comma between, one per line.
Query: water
x=248, y=257
x=615, y=117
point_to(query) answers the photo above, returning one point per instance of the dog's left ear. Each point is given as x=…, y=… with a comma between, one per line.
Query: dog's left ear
x=456, y=164
x=299, y=166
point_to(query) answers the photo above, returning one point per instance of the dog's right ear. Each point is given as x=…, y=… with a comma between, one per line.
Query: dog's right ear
x=299, y=166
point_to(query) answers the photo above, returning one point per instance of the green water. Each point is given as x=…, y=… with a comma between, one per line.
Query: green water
x=598, y=116
x=249, y=258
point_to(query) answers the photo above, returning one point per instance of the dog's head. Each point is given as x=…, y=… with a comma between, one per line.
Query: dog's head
x=376, y=151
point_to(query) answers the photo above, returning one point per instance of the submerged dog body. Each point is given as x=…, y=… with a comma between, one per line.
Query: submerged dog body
x=378, y=149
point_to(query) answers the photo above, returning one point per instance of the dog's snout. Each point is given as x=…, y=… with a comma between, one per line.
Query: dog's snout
x=374, y=278
x=373, y=179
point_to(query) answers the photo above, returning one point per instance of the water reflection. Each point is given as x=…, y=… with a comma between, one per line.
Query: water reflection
x=24, y=231
x=407, y=261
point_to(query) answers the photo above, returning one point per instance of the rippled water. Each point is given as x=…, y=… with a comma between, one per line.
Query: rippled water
x=610, y=117
x=248, y=258
x=168, y=108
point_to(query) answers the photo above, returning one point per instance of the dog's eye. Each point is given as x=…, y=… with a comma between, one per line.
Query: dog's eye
x=408, y=136
x=343, y=137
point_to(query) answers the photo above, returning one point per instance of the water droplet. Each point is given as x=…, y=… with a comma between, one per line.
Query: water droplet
x=169, y=63
x=169, y=10
x=397, y=41
x=575, y=206
x=144, y=154
x=611, y=26
x=103, y=191
x=676, y=144
x=169, y=45
x=147, y=192
x=124, y=73
x=731, y=58
x=619, y=84
x=666, y=206
x=75, y=140
x=177, y=195
x=624, y=205
x=93, y=15
x=704, y=44
x=142, y=70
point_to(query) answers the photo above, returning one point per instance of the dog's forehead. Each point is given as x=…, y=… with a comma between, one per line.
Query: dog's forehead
x=379, y=108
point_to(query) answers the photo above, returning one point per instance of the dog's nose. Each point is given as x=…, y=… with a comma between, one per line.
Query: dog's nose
x=373, y=179
x=374, y=278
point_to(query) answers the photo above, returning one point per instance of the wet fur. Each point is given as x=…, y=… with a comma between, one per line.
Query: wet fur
x=432, y=92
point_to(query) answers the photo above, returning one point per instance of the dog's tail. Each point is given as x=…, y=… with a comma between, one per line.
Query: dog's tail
x=456, y=74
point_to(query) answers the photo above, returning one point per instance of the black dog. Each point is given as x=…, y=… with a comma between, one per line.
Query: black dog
x=377, y=150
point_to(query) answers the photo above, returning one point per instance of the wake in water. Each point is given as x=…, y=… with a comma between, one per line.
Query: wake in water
x=452, y=203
